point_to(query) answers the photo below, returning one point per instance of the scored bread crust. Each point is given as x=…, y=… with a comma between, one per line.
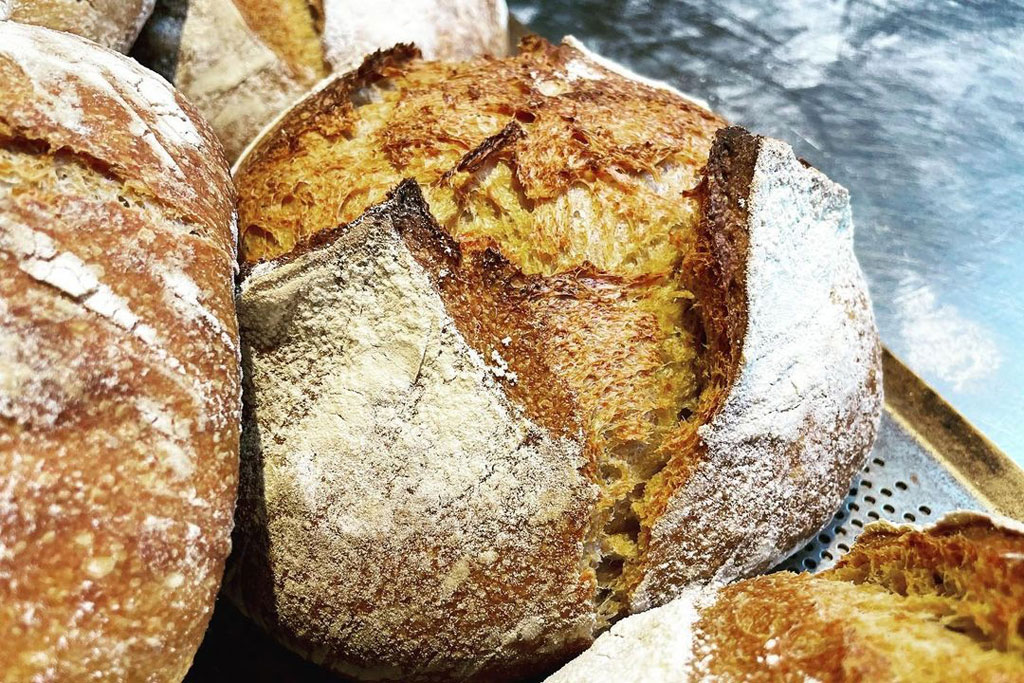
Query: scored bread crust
x=111, y=23
x=781, y=382
x=905, y=604
x=119, y=379
x=401, y=519
x=242, y=62
x=797, y=356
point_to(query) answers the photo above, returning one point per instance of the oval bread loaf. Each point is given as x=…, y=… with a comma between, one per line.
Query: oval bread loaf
x=940, y=604
x=111, y=23
x=596, y=349
x=119, y=375
x=244, y=61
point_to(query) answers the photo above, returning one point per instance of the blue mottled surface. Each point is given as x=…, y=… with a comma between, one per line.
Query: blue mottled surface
x=917, y=107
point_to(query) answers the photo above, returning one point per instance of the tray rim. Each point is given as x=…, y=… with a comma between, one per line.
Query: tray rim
x=971, y=457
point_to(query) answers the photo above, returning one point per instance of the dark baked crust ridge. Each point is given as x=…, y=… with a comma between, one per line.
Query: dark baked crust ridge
x=762, y=485
x=489, y=300
x=717, y=267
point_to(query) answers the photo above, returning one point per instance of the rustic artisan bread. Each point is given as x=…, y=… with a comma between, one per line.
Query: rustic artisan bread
x=119, y=378
x=941, y=604
x=591, y=353
x=244, y=61
x=111, y=23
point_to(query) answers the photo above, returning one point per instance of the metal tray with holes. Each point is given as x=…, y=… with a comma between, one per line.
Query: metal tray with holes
x=927, y=461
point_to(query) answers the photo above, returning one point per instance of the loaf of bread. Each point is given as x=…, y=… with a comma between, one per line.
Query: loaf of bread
x=243, y=61
x=111, y=23
x=119, y=373
x=597, y=348
x=940, y=604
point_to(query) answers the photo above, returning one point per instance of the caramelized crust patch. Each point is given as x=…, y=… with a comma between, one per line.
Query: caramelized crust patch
x=561, y=195
x=975, y=570
x=595, y=177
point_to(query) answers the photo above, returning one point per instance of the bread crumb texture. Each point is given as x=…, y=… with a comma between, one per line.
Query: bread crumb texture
x=119, y=382
x=904, y=605
x=612, y=254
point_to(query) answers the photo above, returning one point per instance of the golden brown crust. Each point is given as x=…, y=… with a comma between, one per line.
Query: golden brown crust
x=289, y=27
x=119, y=403
x=134, y=146
x=905, y=604
x=969, y=561
x=422, y=118
x=571, y=245
x=244, y=61
x=111, y=23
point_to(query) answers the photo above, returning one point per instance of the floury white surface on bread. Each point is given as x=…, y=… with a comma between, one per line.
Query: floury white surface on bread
x=119, y=365
x=243, y=61
x=803, y=286
x=906, y=604
x=465, y=494
x=111, y=23
x=675, y=299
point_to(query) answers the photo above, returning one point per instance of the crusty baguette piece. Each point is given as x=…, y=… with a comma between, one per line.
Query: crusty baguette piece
x=111, y=23
x=940, y=604
x=243, y=61
x=119, y=375
x=680, y=309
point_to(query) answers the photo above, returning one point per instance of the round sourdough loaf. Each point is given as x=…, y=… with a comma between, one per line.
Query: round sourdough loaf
x=596, y=349
x=940, y=604
x=119, y=375
x=243, y=61
x=111, y=23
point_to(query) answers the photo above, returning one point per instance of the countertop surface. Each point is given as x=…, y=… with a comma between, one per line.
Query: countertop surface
x=918, y=108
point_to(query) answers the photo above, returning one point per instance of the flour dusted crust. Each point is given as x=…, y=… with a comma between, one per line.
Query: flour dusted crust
x=677, y=298
x=403, y=519
x=243, y=61
x=906, y=604
x=233, y=77
x=804, y=394
x=119, y=379
x=111, y=23
x=441, y=30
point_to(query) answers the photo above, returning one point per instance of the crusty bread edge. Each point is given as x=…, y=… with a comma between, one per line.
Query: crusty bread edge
x=773, y=463
x=613, y=66
x=951, y=521
x=569, y=40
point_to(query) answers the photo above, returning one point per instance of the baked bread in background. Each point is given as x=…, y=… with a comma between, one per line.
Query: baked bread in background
x=243, y=61
x=111, y=23
x=598, y=348
x=941, y=604
x=119, y=375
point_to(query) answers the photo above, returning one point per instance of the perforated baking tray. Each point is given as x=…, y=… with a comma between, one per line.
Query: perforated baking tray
x=927, y=461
